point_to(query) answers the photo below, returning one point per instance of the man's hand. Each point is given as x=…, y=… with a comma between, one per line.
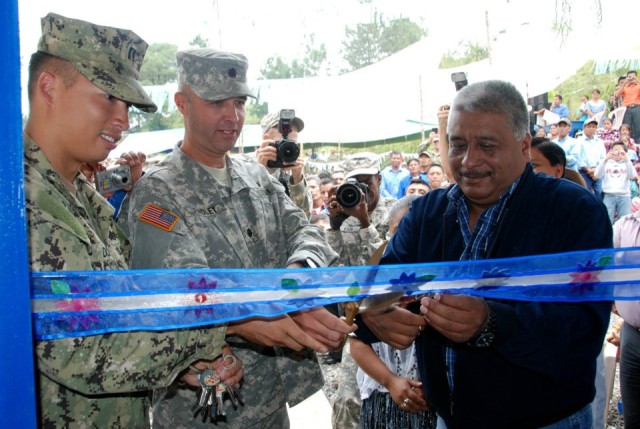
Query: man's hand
x=266, y=152
x=228, y=367
x=394, y=325
x=323, y=326
x=457, y=317
x=296, y=170
x=277, y=331
x=135, y=161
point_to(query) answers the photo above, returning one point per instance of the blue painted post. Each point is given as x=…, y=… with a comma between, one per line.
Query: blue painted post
x=17, y=387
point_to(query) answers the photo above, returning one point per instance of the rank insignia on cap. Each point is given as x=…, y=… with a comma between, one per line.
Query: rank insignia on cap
x=157, y=216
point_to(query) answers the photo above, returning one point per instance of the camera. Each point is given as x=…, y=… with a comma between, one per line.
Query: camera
x=459, y=79
x=287, y=151
x=113, y=179
x=348, y=194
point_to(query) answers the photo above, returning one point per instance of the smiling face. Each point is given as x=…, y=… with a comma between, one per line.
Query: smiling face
x=93, y=121
x=484, y=155
x=211, y=127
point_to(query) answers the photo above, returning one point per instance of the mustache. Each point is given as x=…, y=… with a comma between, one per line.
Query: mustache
x=474, y=174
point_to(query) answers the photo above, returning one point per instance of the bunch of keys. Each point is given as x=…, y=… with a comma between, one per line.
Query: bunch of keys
x=210, y=395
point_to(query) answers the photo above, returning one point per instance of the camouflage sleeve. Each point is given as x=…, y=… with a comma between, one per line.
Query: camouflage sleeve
x=301, y=197
x=125, y=362
x=370, y=240
x=152, y=247
x=304, y=240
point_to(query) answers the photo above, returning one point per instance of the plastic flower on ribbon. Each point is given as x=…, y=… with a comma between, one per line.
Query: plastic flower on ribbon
x=583, y=280
x=201, y=297
x=73, y=305
x=409, y=279
x=493, y=278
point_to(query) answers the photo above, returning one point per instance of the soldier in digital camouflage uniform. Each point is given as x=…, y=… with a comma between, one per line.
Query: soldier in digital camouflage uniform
x=356, y=238
x=292, y=177
x=81, y=80
x=230, y=213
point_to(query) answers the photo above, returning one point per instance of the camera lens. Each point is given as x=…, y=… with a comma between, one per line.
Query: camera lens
x=119, y=179
x=288, y=151
x=348, y=195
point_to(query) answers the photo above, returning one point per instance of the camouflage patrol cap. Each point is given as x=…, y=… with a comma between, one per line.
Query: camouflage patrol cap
x=271, y=121
x=214, y=75
x=109, y=57
x=361, y=163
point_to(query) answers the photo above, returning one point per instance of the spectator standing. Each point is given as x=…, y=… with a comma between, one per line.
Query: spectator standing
x=596, y=105
x=616, y=172
x=607, y=133
x=630, y=92
x=437, y=177
x=392, y=175
x=425, y=160
x=337, y=176
x=592, y=153
x=625, y=137
x=541, y=354
x=418, y=187
x=553, y=132
x=549, y=158
x=570, y=145
x=231, y=213
x=414, y=172
x=313, y=183
x=582, y=112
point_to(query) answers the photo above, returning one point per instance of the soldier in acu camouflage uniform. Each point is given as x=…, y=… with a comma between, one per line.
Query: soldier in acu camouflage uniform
x=230, y=213
x=81, y=81
x=356, y=233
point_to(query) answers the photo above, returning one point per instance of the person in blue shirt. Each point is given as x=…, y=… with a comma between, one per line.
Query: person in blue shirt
x=498, y=363
x=392, y=176
x=570, y=145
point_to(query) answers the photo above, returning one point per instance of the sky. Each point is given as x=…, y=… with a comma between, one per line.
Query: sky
x=260, y=29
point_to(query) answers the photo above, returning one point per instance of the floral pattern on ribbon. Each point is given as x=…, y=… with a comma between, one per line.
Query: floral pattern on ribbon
x=73, y=305
x=201, y=297
x=587, y=275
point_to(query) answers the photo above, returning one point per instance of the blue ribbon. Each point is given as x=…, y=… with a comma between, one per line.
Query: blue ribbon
x=78, y=303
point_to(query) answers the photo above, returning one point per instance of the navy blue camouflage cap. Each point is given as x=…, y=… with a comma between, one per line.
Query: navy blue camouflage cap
x=214, y=75
x=109, y=57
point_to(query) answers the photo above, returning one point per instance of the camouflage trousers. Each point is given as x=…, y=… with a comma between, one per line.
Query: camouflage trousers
x=346, y=408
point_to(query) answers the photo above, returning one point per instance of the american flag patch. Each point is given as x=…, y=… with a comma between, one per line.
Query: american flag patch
x=157, y=216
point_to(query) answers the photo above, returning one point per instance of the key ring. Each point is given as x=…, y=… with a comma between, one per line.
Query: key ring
x=234, y=362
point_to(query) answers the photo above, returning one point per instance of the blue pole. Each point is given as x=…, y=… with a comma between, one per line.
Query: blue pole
x=17, y=387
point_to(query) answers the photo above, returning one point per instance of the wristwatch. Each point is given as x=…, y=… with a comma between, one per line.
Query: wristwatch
x=485, y=337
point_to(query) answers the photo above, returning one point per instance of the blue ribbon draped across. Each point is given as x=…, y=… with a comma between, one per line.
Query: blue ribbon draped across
x=78, y=303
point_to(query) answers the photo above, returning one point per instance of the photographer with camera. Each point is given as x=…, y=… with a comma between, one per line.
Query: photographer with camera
x=629, y=91
x=280, y=156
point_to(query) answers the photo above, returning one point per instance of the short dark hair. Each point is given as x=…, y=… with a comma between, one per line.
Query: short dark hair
x=435, y=164
x=41, y=61
x=618, y=143
x=550, y=150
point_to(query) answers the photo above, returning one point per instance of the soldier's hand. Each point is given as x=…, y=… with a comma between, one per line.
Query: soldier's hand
x=227, y=366
x=266, y=152
x=394, y=325
x=277, y=331
x=323, y=326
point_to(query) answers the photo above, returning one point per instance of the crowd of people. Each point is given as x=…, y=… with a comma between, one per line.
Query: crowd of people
x=480, y=188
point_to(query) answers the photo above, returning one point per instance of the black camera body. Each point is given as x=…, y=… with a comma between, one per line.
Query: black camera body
x=113, y=179
x=348, y=194
x=287, y=151
x=459, y=79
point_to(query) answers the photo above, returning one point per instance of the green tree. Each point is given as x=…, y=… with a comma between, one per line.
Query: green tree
x=159, y=66
x=199, y=42
x=466, y=53
x=277, y=67
x=370, y=42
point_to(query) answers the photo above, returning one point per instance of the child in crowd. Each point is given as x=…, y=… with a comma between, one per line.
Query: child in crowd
x=616, y=172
